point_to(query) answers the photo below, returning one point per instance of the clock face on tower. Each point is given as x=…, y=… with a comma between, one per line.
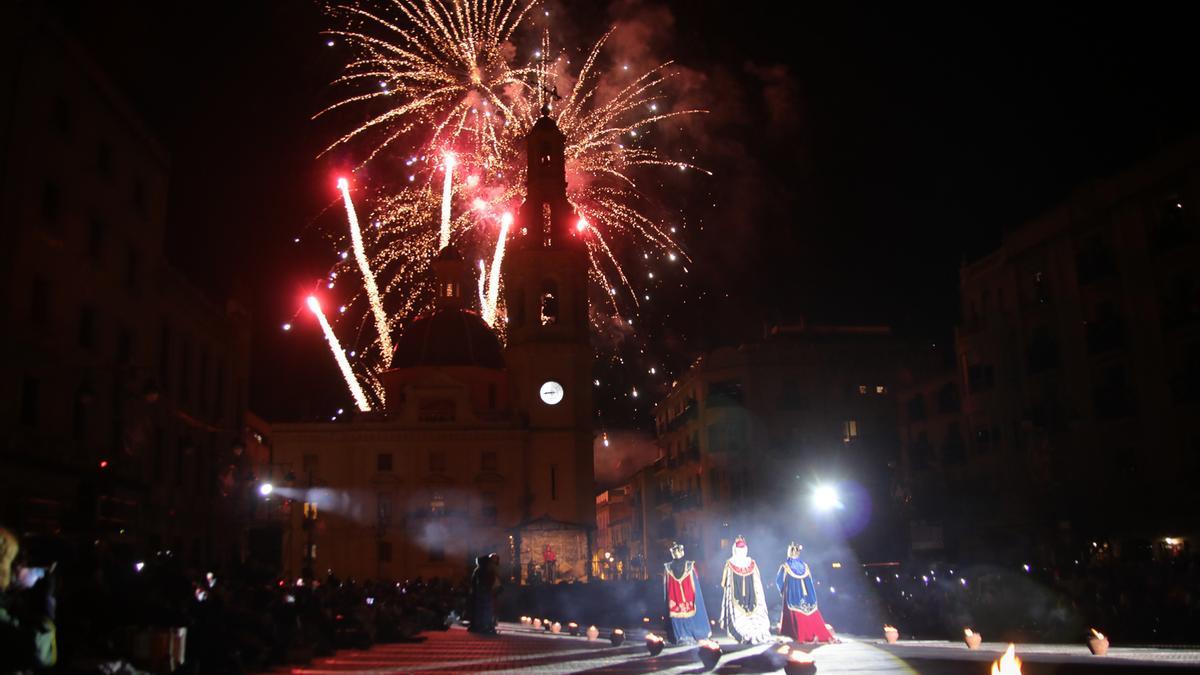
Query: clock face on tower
x=551, y=392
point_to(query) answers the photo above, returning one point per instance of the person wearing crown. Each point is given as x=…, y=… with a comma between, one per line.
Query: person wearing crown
x=802, y=620
x=687, y=616
x=744, y=607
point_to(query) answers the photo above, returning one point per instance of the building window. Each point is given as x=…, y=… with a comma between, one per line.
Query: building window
x=30, y=395
x=725, y=393
x=880, y=389
x=383, y=551
x=862, y=388
x=87, y=327
x=437, y=504
x=488, y=508
x=487, y=461
x=547, y=228
x=553, y=481
x=383, y=461
x=132, y=263
x=916, y=408
x=60, y=115
x=104, y=159
x=139, y=196
x=549, y=303
x=124, y=348
x=437, y=461
x=96, y=232
x=849, y=430
x=51, y=204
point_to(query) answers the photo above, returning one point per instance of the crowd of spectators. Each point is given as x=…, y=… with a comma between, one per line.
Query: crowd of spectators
x=1133, y=600
x=237, y=620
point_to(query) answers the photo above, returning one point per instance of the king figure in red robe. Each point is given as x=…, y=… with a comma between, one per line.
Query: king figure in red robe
x=687, y=616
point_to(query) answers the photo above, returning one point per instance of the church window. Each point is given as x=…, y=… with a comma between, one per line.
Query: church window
x=517, y=310
x=383, y=461
x=487, y=461
x=450, y=290
x=437, y=504
x=549, y=303
x=437, y=461
x=384, y=551
x=436, y=410
x=546, y=220
x=488, y=509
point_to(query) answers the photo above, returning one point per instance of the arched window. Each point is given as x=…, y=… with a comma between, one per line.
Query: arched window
x=549, y=303
x=517, y=310
x=547, y=230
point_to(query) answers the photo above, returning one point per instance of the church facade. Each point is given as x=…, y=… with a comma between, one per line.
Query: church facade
x=483, y=447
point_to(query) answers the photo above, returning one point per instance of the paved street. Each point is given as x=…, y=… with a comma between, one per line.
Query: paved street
x=518, y=649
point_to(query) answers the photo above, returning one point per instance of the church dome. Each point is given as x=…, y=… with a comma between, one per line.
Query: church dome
x=448, y=337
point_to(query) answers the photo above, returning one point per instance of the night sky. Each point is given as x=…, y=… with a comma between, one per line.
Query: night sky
x=859, y=152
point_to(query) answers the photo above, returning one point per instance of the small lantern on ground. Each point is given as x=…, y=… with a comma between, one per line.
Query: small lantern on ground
x=890, y=634
x=573, y=628
x=654, y=644
x=972, y=638
x=1097, y=643
x=709, y=653
x=777, y=656
x=617, y=638
x=799, y=663
x=593, y=633
x=537, y=623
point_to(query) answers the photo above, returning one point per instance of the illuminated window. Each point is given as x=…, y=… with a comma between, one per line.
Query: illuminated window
x=546, y=220
x=862, y=388
x=849, y=430
x=450, y=290
x=880, y=389
x=549, y=303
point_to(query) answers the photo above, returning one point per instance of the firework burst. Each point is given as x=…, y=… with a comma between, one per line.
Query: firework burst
x=441, y=90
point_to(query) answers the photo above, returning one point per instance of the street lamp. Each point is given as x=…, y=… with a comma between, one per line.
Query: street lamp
x=825, y=498
x=266, y=489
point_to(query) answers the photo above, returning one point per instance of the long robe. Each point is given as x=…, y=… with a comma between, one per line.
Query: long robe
x=744, y=606
x=484, y=583
x=801, y=620
x=687, y=616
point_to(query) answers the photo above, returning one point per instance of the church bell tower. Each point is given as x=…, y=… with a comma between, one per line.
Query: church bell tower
x=549, y=353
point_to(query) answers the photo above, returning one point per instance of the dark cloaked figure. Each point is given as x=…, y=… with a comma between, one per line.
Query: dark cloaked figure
x=802, y=620
x=485, y=585
x=688, y=618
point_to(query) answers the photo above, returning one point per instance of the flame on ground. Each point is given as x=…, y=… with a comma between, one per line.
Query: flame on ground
x=1097, y=634
x=1008, y=664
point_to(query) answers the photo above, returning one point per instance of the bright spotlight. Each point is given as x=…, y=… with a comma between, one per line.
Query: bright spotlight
x=265, y=489
x=825, y=498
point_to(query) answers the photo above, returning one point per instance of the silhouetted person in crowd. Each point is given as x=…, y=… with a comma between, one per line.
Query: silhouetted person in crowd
x=485, y=585
x=27, y=632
